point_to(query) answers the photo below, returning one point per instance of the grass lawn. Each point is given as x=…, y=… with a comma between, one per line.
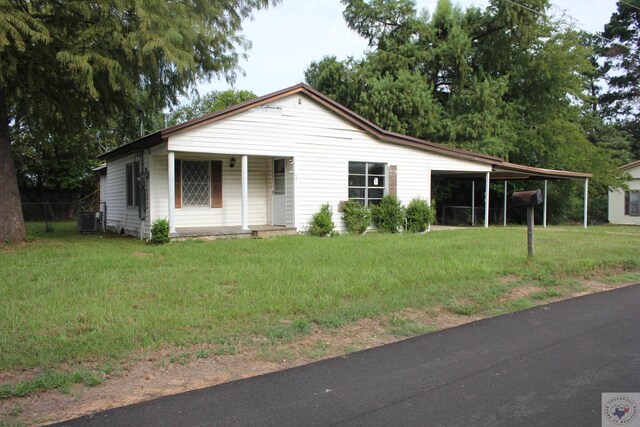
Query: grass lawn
x=68, y=298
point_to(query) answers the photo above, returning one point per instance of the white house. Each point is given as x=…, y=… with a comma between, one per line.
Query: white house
x=624, y=206
x=273, y=161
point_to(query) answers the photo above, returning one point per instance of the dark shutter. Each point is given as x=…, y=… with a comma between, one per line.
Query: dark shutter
x=393, y=180
x=626, y=203
x=216, y=183
x=135, y=183
x=178, y=180
x=128, y=184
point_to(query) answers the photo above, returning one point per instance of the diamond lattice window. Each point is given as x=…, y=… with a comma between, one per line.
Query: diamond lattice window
x=195, y=183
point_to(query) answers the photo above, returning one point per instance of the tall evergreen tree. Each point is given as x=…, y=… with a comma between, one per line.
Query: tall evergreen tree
x=621, y=102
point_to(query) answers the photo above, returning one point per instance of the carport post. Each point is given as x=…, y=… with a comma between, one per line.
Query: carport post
x=586, y=200
x=473, y=203
x=544, y=207
x=504, y=210
x=486, y=201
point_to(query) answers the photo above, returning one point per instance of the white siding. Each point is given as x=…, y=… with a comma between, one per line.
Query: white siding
x=321, y=145
x=616, y=201
x=120, y=218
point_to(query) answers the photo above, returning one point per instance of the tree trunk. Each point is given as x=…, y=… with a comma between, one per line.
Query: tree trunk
x=11, y=219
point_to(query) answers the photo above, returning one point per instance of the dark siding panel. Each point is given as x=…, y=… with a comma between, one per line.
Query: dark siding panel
x=393, y=180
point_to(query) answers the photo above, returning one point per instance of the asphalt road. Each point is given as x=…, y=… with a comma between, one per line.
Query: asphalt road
x=545, y=366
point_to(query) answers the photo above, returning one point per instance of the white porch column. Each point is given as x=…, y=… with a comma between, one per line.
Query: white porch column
x=504, y=211
x=486, y=201
x=586, y=200
x=245, y=193
x=172, y=192
x=544, y=206
x=473, y=203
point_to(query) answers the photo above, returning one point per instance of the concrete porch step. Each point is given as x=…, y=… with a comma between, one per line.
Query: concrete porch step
x=214, y=233
x=272, y=231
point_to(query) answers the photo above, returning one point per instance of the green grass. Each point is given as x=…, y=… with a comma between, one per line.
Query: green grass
x=61, y=381
x=68, y=298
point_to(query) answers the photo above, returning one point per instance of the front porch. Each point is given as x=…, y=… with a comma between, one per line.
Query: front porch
x=217, y=196
x=237, y=232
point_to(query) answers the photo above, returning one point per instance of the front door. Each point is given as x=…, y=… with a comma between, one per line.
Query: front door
x=279, y=197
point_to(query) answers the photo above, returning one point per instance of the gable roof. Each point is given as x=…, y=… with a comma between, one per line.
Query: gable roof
x=352, y=117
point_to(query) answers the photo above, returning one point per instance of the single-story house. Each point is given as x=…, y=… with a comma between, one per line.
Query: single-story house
x=624, y=206
x=273, y=161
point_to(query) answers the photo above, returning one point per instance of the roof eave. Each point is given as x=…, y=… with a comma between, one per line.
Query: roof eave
x=142, y=143
x=629, y=166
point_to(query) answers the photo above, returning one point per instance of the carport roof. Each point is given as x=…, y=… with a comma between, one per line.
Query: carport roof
x=499, y=166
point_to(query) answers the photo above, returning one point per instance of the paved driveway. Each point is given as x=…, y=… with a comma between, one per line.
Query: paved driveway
x=545, y=366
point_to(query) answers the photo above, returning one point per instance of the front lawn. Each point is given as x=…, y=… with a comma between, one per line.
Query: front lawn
x=68, y=298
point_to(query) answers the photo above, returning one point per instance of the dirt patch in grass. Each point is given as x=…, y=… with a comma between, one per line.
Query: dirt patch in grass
x=140, y=254
x=521, y=292
x=175, y=370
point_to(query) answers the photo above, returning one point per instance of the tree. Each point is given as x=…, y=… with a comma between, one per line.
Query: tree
x=620, y=103
x=213, y=101
x=77, y=65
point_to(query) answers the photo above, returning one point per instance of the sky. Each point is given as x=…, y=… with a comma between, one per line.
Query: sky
x=287, y=38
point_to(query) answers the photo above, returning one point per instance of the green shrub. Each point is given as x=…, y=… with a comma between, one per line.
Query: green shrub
x=389, y=214
x=322, y=222
x=160, y=231
x=356, y=217
x=419, y=215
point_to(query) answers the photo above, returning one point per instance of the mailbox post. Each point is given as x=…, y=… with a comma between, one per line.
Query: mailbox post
x=530, y=199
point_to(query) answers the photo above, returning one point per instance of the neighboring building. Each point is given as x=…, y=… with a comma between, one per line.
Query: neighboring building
x=273, y=161
x=624, y=206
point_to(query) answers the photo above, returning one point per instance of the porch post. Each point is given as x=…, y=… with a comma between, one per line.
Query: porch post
x=586, y=200
x=504, y=209
x=473, y=203
x=486, y=201
x=544, y=206
x=245, y=193
x=172, y=192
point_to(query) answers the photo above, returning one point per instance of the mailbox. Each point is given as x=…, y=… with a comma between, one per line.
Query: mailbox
x=527, y=198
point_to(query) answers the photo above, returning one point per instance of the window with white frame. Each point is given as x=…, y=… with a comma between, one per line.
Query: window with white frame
x=632, y=203
x=131, y=182
x=367, y=182
x=196, y=190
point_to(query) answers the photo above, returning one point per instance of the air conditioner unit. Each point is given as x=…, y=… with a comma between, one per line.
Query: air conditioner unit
x=88, y=222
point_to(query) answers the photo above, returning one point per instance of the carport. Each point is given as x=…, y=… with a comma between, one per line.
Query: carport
x=505, y=172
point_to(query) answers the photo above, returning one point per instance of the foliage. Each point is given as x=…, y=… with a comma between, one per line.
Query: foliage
x=209, y=103
x=60, y=381
x=322, y=222
x=107, y=63
x=160, y=231
x=420, y=215
x=169, y=297
x=621, y=68
x=389, y=215
x=357, y=217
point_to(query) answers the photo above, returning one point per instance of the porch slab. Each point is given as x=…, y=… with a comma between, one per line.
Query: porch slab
x=234, y=232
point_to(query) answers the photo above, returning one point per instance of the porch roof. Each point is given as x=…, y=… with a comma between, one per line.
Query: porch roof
x=498, y=164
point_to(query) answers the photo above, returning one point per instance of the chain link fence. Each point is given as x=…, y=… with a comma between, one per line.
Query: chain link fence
x=462, y=215
x=43, y=213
